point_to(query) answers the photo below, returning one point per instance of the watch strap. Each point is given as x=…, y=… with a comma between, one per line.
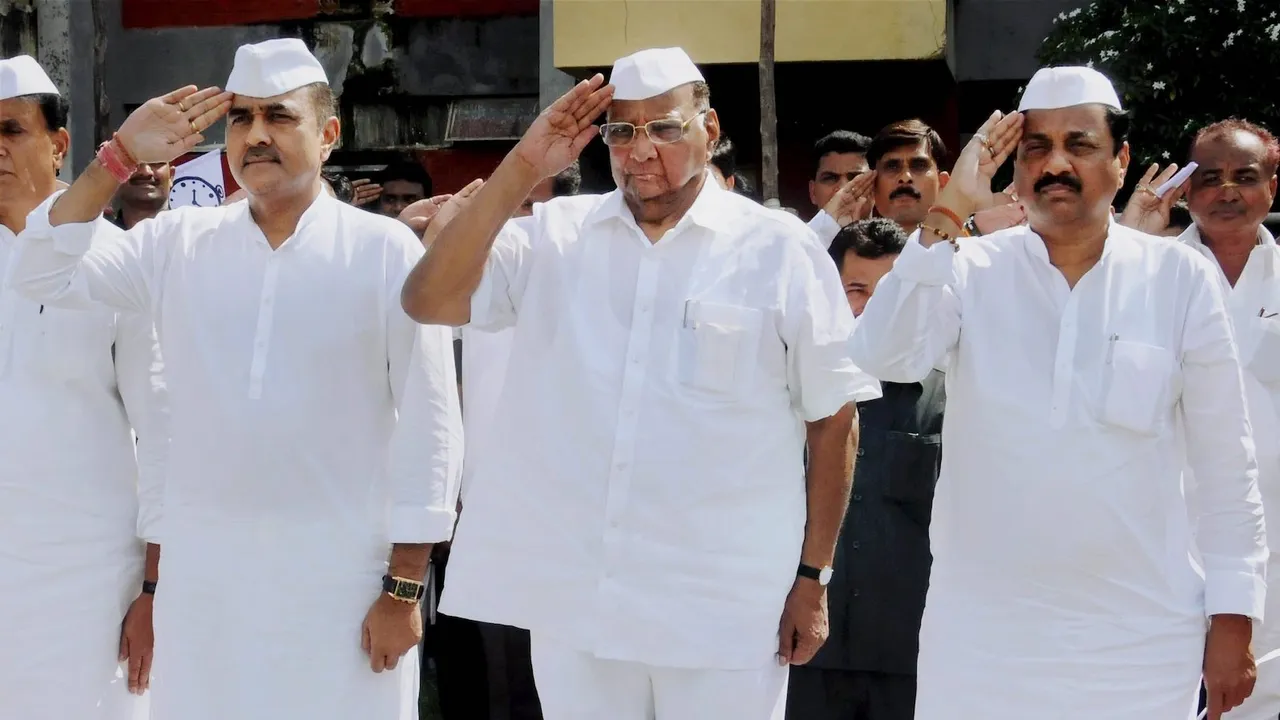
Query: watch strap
x=809, y=571
x=148, y=587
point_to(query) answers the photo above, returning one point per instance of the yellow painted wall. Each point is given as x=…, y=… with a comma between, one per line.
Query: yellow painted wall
x=597, y=32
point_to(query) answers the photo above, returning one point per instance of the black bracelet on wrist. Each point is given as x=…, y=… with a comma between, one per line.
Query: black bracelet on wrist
x=971, y=227
x=148, y=587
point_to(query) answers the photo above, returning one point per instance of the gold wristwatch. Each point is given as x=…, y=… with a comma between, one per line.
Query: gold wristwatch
x=403, y=589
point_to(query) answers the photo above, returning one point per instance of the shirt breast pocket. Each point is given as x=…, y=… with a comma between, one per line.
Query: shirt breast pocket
x=1264, y=364
x=912, y=462
x=1137, y=386
x=73, y=342
x=717, y=348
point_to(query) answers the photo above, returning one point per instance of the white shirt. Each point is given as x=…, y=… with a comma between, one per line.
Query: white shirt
x=313, y=423
x=644, y=499
x=1059, y=526
x=825, y=227
x=73, y=384
x=484, y=370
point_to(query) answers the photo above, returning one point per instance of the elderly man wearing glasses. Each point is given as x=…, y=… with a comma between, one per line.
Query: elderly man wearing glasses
x=647, y=515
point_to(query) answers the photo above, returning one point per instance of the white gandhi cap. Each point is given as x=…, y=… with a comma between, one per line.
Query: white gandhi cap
x=1061, y=87
x=22, y=75
x=273, y=68
x=650, y=73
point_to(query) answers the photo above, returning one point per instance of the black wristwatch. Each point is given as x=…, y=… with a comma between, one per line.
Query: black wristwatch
x=822, y=575
x=148, y=587
x=403, y=589
x=971, y=226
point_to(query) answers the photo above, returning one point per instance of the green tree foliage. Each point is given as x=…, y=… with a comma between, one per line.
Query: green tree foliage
x=1177, y=64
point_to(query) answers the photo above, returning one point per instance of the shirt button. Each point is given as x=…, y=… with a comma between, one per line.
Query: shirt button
x=861, y=451
x=856, y=545
x=857, y=498
x=856, y=592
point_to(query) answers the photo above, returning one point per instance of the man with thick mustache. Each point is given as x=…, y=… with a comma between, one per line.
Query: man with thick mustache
x=145, y=195
x=77, y=498
x=907, y=160
x=644, y=511
x=316, y=431
x=1086, y=363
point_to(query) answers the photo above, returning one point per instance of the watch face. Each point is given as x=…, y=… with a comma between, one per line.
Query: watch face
x=194, y=191
x=824, y=576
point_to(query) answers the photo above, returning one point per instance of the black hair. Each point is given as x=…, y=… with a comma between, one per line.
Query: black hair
x=906, y=133
x=567, y=181
x=870, y=239
x=840, y=141
x=342, y=187
x=741, y=184
x=1180, y=215
x=323, y=101
x=55, y=109
x=407, y=171
x=1118, y=121
x=724, y=156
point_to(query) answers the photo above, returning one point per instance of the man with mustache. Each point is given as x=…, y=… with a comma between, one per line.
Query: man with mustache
x=1086, y=363
x=316, y=431
x=907, y=158
x=145, y=195
x=1229, y=195
x=642, y=508
x=78, y=501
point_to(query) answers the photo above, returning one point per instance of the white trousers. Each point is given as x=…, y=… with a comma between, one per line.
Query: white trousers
x=575, y=685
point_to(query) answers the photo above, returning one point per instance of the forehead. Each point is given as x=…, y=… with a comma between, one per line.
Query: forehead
x=23, y=110
x=1090, y=119
x=402, y=185
x=919, y=149
x=1234, y=148
x=858, y=269
x=295, y=100
x=665, y=105
x=838, y=162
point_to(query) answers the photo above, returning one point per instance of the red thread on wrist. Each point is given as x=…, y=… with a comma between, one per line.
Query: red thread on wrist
x=115, y=159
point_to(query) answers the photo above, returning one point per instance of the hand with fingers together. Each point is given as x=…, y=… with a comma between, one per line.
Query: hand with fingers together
x=558, y=135
x=164, y=128
x=366, y=191
x=853, y=201
x=428, y=217
x=137, y=643
x=1145, y=211
x=969, y=189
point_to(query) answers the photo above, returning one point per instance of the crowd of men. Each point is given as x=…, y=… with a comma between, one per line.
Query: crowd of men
x=703, y=474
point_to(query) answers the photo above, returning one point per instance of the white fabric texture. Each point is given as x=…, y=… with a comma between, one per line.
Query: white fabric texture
x=274, y=67
x=22, y=75
x=484, y=371
x=73, y=382
x=313, y=424
x=645, y=499
x=1255, y=295
x=1060, y=87
x=1062, y=584
x=573, y=685
x=649, y=73
x=825, y=227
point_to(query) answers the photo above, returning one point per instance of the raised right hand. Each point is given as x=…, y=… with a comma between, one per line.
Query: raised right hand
x=559, y=134
x=969, y=189
x=164, y=128
x=1147, y=213
x=853, y=201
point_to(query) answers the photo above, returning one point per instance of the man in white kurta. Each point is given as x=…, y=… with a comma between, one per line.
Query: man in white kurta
x=73, y=382
x=1229, y=196
x=314, y=424
x=1062, y=583
x=643, y=508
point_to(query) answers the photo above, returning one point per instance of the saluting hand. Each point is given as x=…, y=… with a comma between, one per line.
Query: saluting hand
x=1146, y=212
x=559, y=134
x=852, y=202
x=164, y=128
x=969, y=188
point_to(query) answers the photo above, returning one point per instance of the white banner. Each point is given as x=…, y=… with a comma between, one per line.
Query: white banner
x=198, y=182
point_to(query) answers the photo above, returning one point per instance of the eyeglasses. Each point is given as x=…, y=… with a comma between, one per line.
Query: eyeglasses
x=660, y=132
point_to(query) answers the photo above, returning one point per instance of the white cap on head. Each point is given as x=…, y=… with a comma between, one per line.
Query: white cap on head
x=1061, y=87
x=650, y=73
x=274, y=67
x=22, y=75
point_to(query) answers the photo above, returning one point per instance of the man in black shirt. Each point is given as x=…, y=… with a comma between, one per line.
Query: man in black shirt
x=867, y=669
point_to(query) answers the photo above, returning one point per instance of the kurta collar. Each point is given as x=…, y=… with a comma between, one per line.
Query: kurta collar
x=1266, y=249
x=706, y=210
x=318, y=215
x=1117, y=236
x=1191, y=236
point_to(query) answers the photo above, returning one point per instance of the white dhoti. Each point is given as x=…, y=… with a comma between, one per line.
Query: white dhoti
x=576, y=685
x=64, y=592
x=264, y=624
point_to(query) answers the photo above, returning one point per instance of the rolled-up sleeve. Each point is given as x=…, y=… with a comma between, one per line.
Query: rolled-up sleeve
x=1220, y=451
x=426, y=446
x=912, y=321
x=816, y=326
x=140, y=378
x=496, y=301
x=78, y=264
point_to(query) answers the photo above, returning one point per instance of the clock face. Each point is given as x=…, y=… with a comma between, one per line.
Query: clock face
x=194, y=191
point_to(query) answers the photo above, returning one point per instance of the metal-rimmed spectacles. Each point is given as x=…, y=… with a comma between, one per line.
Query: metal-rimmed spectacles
x=660, y=132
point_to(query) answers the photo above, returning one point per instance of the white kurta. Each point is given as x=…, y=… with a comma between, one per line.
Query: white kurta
x=1257, y=294
x=289, y=471
x=484, y=370
x=644, y=497
x=73, y=382
x=824, y=227
x=1062, y=585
